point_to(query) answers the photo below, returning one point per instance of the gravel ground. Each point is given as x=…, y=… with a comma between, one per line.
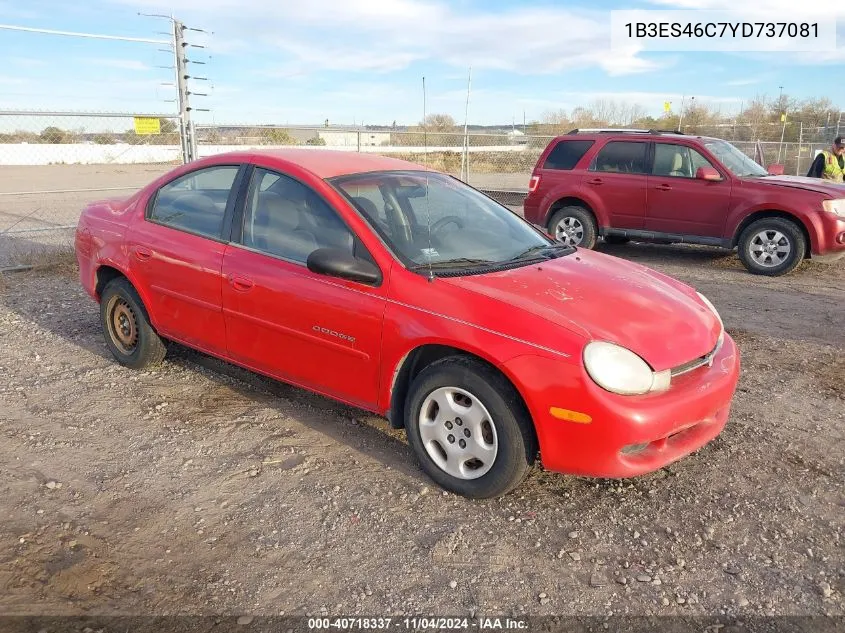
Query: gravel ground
x=202, y=488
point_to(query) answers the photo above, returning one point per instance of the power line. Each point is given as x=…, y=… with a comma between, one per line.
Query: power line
x=96, y=36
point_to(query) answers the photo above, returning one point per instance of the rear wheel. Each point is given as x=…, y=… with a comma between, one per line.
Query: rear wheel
x=772, y=246
x=469, y=429
x=574, y=226
x=126, y=326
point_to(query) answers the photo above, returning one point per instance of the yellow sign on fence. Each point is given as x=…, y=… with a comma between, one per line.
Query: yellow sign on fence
x=667, y=106
x=147, y=125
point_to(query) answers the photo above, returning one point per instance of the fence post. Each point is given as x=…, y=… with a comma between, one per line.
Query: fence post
x=798, y=158
x=359, y=140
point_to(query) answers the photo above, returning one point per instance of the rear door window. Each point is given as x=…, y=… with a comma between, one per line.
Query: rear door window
x=566, y=154
x=196, y=202
x=625, y=157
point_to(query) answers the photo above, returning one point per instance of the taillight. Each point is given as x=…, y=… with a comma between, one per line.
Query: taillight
x=533, y=183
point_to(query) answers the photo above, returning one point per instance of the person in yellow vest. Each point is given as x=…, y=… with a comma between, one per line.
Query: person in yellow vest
x=830, y=163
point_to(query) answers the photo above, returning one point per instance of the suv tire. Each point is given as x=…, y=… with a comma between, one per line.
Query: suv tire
x=772, y=247
x=574, y=226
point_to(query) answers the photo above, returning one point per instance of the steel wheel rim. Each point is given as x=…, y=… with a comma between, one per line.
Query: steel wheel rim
x=769, y=248
x=570, y=231
x=458, y=433
x=122, y=325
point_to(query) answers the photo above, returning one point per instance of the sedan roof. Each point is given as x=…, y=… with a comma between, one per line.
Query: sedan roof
x=327, y=163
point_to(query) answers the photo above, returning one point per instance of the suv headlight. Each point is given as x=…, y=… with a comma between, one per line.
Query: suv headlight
x=621, y=371
x=837, y=207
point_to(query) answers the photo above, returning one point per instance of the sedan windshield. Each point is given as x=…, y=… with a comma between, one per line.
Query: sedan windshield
x=432, y=220
x=738, y=163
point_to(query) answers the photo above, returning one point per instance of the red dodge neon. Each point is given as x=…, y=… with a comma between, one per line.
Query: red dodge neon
x=405, y=292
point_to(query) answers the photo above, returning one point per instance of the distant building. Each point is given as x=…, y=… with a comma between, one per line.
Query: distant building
x=352, y=138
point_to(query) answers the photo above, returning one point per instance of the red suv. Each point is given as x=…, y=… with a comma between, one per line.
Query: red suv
x=649, y=185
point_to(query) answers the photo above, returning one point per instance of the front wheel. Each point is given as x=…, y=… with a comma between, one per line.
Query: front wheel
x=574, y=226
x=469, y=429
x=772, y=246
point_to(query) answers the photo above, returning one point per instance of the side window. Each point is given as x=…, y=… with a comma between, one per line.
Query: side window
x=285, y=218
x=625, y=157
x=196, y=202
x=566, y=154
x=677, y=160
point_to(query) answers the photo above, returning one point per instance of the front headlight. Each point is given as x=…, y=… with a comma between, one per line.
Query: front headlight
x=621, y=371
x=837, y=207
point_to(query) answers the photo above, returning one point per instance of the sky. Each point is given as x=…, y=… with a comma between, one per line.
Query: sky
x=362, y=61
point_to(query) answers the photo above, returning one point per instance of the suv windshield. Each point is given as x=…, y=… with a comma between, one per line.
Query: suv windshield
x=738, y=163
x=430, y=219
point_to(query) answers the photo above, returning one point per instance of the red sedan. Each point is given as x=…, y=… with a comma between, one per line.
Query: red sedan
x=407, y=293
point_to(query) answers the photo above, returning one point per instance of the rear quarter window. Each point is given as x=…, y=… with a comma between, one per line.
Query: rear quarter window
x=566, y=154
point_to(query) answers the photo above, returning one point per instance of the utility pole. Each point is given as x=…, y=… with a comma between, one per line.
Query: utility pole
x=185, y=128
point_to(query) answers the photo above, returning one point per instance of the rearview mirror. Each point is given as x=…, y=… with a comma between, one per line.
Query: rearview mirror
x=338, y=263
x=411, y=191
x=775, y=170
x=707, y=173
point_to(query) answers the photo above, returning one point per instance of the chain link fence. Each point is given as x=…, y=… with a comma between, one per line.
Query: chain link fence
x=53, y=163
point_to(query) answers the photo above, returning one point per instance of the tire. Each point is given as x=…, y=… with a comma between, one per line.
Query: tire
x=575, y=226
x=495, y=425
x=761, y=247
x=616, y=239
x=126, y=327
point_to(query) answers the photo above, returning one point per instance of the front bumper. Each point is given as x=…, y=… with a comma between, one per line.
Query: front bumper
x=626, y=436
x=830, y=242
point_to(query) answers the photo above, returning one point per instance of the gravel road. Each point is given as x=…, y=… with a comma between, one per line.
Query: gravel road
x=202, y=488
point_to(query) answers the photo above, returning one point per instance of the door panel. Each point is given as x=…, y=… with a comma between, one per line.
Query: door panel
x=313, y=330
x=680, y=203
x=181, y=275
x=618, y=177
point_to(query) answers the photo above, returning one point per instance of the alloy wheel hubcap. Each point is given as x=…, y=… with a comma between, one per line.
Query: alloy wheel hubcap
x=570, y=231
x=769, y=248
x=458, y=433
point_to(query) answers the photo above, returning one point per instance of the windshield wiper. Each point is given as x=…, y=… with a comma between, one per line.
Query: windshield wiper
x=540, y=250
x=451, y=263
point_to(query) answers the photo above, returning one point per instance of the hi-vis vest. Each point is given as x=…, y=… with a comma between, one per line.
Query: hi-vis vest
x=832, y=170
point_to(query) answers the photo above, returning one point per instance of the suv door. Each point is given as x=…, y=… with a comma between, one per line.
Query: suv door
x=315, y=331
x=176, y=252
x=618, y=177
x=678, y=202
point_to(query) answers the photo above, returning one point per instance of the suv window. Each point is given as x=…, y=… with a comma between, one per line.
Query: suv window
x=677, y=160
x=285, y=218
x=197, y=201
x=566, y=154
x=627, y=157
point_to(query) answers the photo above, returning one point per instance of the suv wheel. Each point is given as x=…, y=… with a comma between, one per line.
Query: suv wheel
x=574, y=226
x=772, y=246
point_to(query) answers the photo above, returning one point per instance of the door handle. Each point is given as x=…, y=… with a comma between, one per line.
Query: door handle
x=143, y=253
x=663, y=188
x=595, y=181
x=240, y=283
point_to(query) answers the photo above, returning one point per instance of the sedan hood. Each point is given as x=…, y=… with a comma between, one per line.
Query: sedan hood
x=801, y=182
x=609, y=299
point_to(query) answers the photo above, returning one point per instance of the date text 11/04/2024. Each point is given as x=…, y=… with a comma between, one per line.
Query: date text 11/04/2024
x=417, y=623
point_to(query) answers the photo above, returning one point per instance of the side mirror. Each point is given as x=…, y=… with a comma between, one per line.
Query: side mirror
x=707, y=173
x=775, y=170
x=337, y=263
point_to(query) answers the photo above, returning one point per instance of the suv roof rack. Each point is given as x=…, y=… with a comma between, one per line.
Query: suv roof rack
x=610, y=130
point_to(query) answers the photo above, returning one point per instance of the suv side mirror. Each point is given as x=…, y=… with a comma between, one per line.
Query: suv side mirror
x=339, y=263
x=707, y=173
x=775, y=170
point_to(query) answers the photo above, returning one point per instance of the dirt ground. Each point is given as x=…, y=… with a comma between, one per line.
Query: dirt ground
x=202, y=488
